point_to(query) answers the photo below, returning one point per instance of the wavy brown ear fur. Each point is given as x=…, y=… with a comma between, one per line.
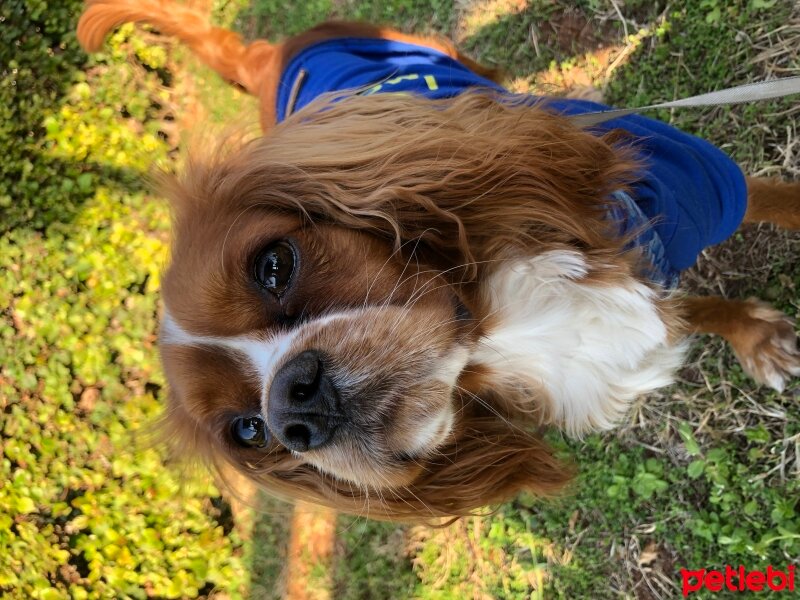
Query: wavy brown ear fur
x=489, y=462
x=473, y=179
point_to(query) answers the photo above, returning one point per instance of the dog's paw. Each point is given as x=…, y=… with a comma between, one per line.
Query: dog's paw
x=767, y=346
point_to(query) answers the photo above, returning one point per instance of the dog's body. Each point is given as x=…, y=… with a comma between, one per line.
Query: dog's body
x=375, y=305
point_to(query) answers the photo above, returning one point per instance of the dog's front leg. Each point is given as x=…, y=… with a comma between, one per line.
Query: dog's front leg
x=763, y=338
x=773, y=201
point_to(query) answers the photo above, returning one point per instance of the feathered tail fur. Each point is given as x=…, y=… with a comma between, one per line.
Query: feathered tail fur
x=220, y=49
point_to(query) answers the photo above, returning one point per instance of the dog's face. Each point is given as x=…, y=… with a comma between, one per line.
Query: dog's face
x=329, y=305
x=315, y=342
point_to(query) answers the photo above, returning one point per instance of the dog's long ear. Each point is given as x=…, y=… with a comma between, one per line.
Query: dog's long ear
x=469, y=178
x=177, y=431
x=489, y=461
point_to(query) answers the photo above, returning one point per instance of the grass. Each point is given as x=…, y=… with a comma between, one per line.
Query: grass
x=702, y=474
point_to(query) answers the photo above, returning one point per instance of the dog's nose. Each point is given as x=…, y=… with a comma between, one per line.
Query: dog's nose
x=302, y=403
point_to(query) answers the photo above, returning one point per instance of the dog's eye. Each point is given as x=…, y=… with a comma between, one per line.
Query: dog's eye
x=274, y=267
x=250, y=432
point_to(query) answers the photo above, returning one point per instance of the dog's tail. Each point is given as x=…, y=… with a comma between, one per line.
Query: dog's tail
x=220, y=49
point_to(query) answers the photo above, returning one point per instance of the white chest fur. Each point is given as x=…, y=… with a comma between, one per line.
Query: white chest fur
x=588, y=348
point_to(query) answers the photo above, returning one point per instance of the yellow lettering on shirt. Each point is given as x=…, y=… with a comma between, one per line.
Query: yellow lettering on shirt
x=430, y=81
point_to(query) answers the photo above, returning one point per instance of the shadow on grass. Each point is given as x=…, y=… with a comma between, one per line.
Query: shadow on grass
x=39, y=58
x=69, y=186
x=275, y=19
x=40, y=61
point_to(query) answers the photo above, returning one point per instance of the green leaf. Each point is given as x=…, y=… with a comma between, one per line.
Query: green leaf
x=692, y=447
x=85, y=182
x=725, y=540
x=24, y=505
x=696, y=468
x=751, y=508
x=51, y=594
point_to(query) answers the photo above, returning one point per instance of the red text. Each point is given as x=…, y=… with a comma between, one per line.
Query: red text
x=737, y=580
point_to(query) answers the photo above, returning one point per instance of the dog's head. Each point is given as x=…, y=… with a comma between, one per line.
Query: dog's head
x=327, y=296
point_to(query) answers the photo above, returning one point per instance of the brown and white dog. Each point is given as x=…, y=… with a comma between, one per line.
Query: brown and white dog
x=378, y=304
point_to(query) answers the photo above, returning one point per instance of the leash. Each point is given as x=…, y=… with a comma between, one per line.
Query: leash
x=749, y=92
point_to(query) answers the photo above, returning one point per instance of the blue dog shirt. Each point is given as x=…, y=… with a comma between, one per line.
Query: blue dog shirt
x=692, y=194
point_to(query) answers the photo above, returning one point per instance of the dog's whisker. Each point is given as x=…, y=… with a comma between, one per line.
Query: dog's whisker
x=397, y=284
x=383, y=266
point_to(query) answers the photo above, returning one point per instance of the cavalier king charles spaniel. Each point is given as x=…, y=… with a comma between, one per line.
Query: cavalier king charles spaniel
x=381, y=303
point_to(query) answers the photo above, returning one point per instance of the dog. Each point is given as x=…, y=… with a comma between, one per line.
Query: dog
x=382, y=303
